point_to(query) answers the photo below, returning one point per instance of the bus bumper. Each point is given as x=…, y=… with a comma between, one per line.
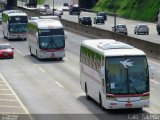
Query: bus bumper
x=17, y=36
x=126, y=105
x=57, y=54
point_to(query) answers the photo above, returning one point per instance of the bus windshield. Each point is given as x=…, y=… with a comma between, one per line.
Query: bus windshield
x=17, y=27
x=51, y=42
x=127, y=75
x=50, y=32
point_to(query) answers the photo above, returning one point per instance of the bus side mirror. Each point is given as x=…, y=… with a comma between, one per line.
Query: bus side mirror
x=102, y=73
x=151, y=72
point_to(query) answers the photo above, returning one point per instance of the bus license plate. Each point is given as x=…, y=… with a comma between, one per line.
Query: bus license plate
x=128, y=105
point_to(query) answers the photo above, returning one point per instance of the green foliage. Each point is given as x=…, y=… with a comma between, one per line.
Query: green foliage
x=40, y=1
x=133, y=9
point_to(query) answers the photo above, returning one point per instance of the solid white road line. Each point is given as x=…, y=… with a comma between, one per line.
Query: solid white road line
x=59, y=84
x=17, y=98
x=10, y=106
x=154, y=81
x=19, y=52
x=8, y=100
x=153, y=62
x=41, y=69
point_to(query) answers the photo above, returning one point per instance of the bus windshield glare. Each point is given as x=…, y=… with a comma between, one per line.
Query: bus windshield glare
x=127, y=75
x=17, y=27
x=51, y=42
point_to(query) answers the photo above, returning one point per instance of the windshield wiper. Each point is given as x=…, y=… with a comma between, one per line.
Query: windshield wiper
x=51, y=41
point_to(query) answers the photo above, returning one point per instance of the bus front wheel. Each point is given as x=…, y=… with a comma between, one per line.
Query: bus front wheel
x=86, y=91
x=100, y=102
x=31, y=51
x=37, y=55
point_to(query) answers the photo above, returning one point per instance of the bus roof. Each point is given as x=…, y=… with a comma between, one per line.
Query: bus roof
x=49, y=17
x=47, y=24
x=14, y=13
x=110, y=47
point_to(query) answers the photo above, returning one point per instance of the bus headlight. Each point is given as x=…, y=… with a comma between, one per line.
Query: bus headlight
x=145, y=97
x=111, y=98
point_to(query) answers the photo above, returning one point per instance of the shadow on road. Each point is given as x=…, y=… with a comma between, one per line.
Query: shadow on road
x=119, y=114
x=34, y=60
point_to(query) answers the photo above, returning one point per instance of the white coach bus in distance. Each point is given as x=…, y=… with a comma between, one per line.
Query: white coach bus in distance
x=46, y=39
x=14, y=24
x=114, y=74
x=49, y=17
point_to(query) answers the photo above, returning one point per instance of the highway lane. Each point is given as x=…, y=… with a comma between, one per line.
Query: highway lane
x=152, y=37
x=52, y=87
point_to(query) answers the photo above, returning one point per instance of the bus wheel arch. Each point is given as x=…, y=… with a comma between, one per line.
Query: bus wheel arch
x=30, y=50
x=100, y=102
x=86, y=91
x=37, y=55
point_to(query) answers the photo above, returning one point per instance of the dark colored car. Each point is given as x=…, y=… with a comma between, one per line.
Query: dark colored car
x=99, y=19
x=6, y=51
x=120, y=28
x=139, y=29
x=86, y=20
x=65, y=4
x=31, y=3
x=104, y=14
x=74, y=10
x=47, y=6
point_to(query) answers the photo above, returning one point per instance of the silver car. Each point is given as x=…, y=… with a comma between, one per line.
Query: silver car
x=141, y=29
x=120, y=28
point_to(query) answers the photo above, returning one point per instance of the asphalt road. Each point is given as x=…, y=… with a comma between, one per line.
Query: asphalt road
x=53, y=88
x=152, y=37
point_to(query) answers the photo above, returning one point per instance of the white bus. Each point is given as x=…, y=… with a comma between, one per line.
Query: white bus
x=14, y=24
x=46, y=38
x=114, y=74
x=49, y=17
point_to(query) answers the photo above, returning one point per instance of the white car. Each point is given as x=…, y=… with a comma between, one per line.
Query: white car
x=42, y=9
x=120, y=28
x=65, y=7
x=57, y=13
x=33, y=18
x=60, y=10
x=49, y=12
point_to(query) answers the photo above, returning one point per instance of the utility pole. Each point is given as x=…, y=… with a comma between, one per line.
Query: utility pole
x=114, y=15
x=53, y=7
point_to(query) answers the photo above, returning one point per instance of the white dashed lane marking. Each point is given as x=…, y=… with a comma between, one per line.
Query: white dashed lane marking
x=154, y=81
x=59, y=84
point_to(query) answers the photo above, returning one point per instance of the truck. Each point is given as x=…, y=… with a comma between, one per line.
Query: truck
x=158, y=24
x=31, y=3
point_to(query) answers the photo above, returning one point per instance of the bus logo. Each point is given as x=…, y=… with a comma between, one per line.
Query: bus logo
x=18, y=18
x=126, y=63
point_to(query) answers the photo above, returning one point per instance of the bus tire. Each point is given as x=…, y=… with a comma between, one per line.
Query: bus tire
x=30, y=51
x=8, y=36
x=37, y=55
x=100, y=102
x=4, y=35
x=86, y=91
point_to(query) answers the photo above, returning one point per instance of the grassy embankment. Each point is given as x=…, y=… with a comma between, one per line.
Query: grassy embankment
x=40, y=1
x=145, y=10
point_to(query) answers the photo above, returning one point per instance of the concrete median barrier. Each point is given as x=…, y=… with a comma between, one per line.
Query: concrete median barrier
x=151, y=49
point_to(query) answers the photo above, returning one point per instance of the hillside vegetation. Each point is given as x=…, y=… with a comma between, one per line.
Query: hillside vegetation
x=145, y=10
